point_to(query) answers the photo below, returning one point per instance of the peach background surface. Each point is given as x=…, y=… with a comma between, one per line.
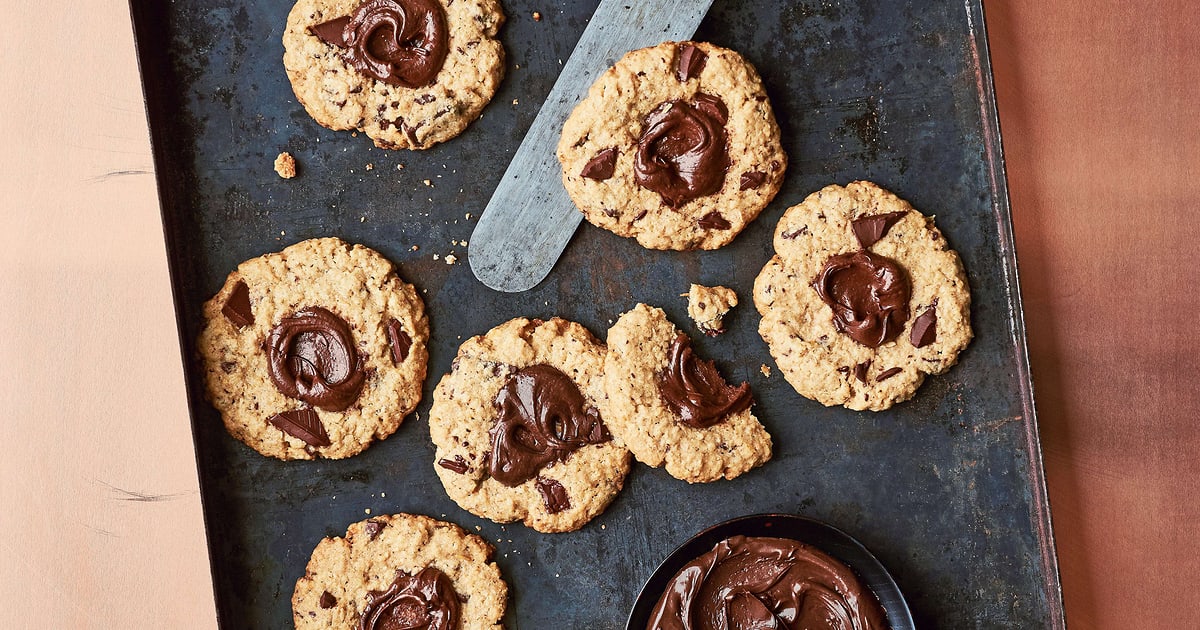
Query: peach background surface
x=100, y=523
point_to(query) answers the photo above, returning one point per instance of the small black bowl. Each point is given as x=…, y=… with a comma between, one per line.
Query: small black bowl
x=827, y=538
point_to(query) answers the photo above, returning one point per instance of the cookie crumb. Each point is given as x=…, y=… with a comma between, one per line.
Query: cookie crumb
x=429, y=183
x=285, y=165
x=415, y=248
x=707, y=306
x=368, y=510
x=435, y=256
x=766, y=371
x=537, y=17
x=399, y=167
x=370, y=167
x=451, y=259
x=515, y=102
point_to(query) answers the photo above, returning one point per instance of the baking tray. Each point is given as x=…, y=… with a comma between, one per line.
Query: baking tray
x=946, y=490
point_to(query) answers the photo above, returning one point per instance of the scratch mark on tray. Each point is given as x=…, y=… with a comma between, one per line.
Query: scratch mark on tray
x=993, y=425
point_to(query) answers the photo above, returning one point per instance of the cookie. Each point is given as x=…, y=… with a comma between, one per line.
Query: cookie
x=518, y=430
x=675, y=145
x=707, y=306
x=863, y=298
x=401, y=571
x=671, y=408
x=315, y=351
x=350, y=71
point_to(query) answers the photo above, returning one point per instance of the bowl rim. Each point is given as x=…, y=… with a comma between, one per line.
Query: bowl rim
x=818, y=534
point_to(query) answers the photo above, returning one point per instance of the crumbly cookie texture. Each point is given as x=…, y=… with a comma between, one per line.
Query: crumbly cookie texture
x=355, y=283
x=343, y=571
x=641, y=420
x=285, y=165
x=823, y=364
x=707, y=306
x=339, y=97
x=463, y=413
x=612, y=116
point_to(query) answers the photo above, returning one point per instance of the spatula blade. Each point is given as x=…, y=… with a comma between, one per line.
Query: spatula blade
x=530, y=219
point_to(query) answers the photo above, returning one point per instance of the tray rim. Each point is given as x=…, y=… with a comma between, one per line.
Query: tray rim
x=1002, y=208
x=1041, y=518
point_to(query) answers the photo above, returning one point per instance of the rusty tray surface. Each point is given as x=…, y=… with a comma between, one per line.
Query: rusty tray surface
x=946, y=489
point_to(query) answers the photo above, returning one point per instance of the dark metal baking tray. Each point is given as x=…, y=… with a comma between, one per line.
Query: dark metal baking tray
x=946, y=489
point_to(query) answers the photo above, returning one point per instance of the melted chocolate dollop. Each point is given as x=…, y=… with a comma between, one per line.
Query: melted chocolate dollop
x=425, y=601
x=543, y=418
x=868, y=294
x=311, y=357
x=765, y=584
x=681, y=154
x=694, y=389
x=400, y=42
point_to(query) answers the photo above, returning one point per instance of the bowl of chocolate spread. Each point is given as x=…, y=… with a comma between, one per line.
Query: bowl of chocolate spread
x=770, y=572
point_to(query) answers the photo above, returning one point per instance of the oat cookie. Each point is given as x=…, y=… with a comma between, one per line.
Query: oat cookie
x=671, y=408
x=518, y=430
x=314, y=351
x=707, y=306
x=401, y=570
x=863, y=298
x=675, y=145
x=350, y=71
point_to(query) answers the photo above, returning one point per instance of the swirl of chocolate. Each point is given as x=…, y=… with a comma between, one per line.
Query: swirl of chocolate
x=311, y=357
x=401, y=42
x=425, y=601
x=681, y=154
x=766, y=584
x=542, y=418
x=868, y=294
x=695, y=390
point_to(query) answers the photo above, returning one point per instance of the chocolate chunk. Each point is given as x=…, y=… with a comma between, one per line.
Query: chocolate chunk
x=803, y=229
x=331, y=32
x=602, y=166
x=886, y=374
x=694, y=389
x=860, y=371
x=237, y=306
x=752, y=179
x=373, y=528
x=554, y=495
x=328, y=600
x=399, y=340
x=868, y=230
x=689, y=61
x=713, y=221
x=924, y=329
x=458, y=464
x=302, y=424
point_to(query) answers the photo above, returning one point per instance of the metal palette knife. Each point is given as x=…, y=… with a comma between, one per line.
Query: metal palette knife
x=530, y=219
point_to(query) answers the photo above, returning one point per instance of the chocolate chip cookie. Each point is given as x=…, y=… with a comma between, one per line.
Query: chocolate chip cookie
x=401, y=571
x=518, y=428
x=314, y=351
x=675, y=145
x=671, y=408
x=863, y=298
x=408, y=73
